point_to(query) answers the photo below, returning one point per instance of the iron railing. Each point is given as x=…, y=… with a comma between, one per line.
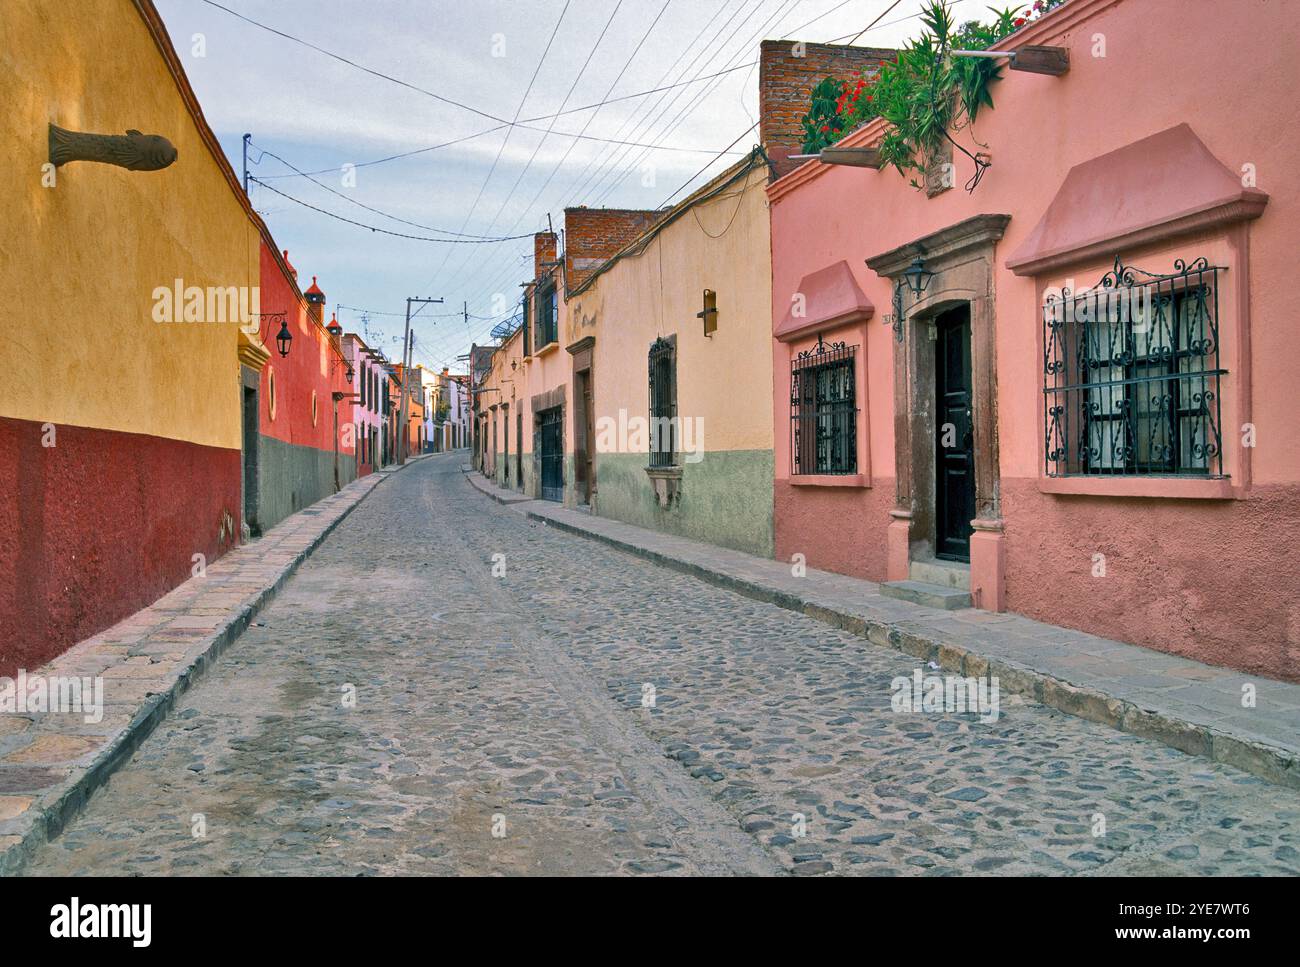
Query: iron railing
x=663, y=403
x=823, y=410
x=1131, y=375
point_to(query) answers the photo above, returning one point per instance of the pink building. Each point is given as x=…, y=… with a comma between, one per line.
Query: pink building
x=369, y=380
x=1085, y=416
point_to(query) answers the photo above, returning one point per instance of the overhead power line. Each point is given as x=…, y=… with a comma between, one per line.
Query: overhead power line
x=349, y=199
x=384, y=231
x=501, y=122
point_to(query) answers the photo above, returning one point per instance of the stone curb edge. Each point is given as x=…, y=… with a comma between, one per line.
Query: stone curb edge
x=506, y=501
x=55, y=816
x=1267, y=762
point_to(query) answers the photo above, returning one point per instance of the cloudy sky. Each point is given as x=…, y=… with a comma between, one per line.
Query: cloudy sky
x=492, y=76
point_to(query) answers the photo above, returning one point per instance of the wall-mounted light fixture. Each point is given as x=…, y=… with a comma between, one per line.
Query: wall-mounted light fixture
x=709, y=313
x=917, y=276
x=284, y=338
x=348, y=375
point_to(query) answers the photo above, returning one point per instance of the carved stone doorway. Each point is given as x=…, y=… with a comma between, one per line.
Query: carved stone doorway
x=961, y=260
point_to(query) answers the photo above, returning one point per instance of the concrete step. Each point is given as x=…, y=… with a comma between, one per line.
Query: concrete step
x=930, y=595
x=949, y=574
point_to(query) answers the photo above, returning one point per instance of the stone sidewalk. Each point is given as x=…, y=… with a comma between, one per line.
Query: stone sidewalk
x=1192, y=707
x=50, y=763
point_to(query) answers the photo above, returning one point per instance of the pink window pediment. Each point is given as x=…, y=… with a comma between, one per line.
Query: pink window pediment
x=1154, y=189
x=830, y=297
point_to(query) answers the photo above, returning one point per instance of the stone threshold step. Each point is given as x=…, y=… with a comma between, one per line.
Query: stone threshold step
x=930, y=595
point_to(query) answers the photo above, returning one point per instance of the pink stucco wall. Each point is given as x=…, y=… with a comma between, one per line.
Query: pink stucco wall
x=1213, y=579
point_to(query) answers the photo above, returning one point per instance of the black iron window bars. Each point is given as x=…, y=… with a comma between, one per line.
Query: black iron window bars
x=823, y=410
x=1131, y=375
x=663, y=402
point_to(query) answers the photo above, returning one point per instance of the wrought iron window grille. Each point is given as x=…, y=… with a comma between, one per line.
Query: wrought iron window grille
x=663, y=402
x=823, y=410
x=1131, y=375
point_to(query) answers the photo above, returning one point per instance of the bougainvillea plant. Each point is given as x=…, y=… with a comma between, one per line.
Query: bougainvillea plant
x=925, y=96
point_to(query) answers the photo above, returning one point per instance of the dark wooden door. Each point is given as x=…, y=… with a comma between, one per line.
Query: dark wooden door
x=552, y=454
x=588, y=421
x=251, y=430
x=954, y=465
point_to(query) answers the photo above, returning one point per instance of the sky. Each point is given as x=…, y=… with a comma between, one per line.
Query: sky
x=462, y=71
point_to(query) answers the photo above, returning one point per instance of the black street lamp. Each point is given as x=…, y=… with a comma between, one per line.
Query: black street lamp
x=348, y=376
x=284, y=338
x=918, y=276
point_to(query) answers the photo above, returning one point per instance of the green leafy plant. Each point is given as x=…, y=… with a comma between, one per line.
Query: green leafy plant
x=926, y=95
x=823, y=124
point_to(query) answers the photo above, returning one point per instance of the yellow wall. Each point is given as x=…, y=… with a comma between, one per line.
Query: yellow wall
x=79, y=261
x=725, y=378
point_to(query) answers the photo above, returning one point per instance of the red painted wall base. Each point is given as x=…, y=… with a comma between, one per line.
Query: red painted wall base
x=99, y=526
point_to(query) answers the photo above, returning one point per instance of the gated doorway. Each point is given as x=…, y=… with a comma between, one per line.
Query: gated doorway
x=552, y=455
x=954, y=464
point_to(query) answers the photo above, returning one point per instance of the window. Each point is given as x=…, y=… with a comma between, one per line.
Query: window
x=548, y=315
x=823, y=410
x=663, y=401
x=1131, y=375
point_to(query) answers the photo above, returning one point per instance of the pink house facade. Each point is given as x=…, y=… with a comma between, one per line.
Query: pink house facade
x=1086, y=414
x=368, y=380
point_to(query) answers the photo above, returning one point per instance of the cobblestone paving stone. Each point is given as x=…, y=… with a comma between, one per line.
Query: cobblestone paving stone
x=521, y=696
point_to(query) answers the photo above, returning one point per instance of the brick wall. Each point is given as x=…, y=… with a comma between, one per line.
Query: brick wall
x=543, y=251
x=593, y=235
x=785, y=83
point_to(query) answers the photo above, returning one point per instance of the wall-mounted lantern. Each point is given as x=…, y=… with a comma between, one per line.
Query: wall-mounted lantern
x=348, y=375
x=709, y=313
x=284, y=338
x=917, y=276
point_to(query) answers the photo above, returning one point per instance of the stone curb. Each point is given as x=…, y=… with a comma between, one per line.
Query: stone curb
x=50, y=818
x=479, y=483
x=1268, y=762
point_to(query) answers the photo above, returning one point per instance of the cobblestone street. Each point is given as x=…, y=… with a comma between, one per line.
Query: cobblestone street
x=499, y=728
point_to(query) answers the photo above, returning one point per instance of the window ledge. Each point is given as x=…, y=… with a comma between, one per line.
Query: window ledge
x=667, y=483
x=829, y=480
x=546, y=350
x=1166, y=487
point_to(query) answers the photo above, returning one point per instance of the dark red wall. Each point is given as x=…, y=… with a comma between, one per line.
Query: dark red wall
x=99, y=526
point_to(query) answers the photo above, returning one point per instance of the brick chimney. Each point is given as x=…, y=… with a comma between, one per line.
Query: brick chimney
x=787, y=72
x=315, y=301
x=543, y=252
x=593, y=235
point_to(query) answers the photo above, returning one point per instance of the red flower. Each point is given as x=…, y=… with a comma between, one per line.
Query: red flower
x=1019, y=22
x=826, y=127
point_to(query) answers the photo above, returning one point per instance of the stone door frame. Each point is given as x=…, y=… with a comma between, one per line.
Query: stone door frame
x=961, y=257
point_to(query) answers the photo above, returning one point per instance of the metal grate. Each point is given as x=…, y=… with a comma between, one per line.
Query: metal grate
x=1131, y=375
x=823, y=410
x=663, y=403
x=552, y=453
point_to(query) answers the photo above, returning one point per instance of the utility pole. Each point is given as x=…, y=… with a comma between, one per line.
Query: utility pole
x=406, y=373
x=247, y=137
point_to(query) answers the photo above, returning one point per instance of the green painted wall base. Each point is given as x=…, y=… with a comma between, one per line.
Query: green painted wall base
x=292, y=477
x=726, y=498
